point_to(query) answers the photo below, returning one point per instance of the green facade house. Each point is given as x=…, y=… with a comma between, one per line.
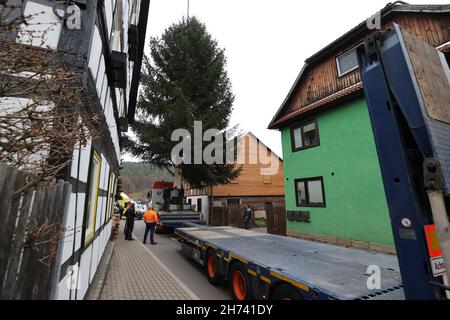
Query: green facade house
x=333, y=185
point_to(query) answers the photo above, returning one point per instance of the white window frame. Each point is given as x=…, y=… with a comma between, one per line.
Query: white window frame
x=116, y=34
x=135, y=12
x=93, y=198
x=340, y=74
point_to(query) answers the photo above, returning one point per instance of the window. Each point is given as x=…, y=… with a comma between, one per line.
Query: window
x=116, y=37
x=199, y=205
x=305, y=136
x=96, y=164
x=111, y=193
x=347, y=62
x=135, y=12
x=310, y=192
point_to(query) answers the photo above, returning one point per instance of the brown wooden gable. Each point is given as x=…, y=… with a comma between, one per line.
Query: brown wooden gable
x=251, y=182
x=319, y=84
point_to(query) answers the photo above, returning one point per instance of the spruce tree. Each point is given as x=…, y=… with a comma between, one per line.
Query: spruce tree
x=184, y=80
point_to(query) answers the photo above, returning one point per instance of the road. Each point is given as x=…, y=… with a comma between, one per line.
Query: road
x=187, y=270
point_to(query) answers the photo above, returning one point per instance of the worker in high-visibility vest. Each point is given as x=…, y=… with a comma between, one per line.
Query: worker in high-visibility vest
x=151, y=220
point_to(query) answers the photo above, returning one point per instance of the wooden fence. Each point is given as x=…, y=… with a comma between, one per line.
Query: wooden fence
x=30, y=229
x=218, y=216
x=276, y=220
x=232, y=216
x=227, y=216
x=235, y=216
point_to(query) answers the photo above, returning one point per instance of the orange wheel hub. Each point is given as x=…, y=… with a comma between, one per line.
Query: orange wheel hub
x=211, y=267
x=239, y=285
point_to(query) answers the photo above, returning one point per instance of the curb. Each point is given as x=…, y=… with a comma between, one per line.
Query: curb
x=96, y=287
x=177, y=280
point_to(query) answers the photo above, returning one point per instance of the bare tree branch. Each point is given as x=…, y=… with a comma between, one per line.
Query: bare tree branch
x=43, y=105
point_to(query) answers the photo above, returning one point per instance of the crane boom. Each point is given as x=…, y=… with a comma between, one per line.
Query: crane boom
x=407, y=89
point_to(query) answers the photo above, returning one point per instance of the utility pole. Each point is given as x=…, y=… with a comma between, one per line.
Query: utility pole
x=188, y=3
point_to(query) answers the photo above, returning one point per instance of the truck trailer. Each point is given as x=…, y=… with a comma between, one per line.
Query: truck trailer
x=263, y=266
x=168, y=202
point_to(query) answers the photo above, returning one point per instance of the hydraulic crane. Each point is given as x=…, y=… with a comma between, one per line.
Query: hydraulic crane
x=407, y=88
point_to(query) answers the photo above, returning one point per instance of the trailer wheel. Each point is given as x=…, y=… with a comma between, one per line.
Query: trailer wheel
x=286, y=292
x=240, y=283
x=212, y=268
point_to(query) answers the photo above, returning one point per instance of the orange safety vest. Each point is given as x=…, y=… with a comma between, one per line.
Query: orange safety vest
x=151, y=217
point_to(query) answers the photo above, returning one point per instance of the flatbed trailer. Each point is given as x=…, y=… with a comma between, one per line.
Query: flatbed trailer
x=169, y=221
x=264, y=266
x=176, y=219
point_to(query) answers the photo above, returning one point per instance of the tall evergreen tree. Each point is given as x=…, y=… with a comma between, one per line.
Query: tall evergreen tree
x=184, y=80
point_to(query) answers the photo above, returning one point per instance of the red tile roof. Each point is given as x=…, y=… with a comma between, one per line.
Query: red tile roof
x=445, y=47
x=335, y=96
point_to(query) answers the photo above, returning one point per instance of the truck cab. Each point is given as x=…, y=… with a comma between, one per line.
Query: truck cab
x=173, y=212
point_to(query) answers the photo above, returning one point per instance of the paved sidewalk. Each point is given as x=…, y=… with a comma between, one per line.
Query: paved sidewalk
x=136, y=273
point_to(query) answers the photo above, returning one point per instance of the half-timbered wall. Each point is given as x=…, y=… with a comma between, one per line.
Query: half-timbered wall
x=79, y=250
x=88, y=220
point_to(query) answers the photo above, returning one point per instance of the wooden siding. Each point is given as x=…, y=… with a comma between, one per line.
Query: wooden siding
x=189, y=192
x=250, y=182
x=431, y=78
x=321, y=80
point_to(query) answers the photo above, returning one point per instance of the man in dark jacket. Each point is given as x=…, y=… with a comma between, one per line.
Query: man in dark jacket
x=247, y=217
x=130, y=221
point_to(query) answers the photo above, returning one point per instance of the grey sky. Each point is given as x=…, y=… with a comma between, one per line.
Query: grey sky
x=266, y=43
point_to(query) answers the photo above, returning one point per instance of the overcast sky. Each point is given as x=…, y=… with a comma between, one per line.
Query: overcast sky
x=266, y=43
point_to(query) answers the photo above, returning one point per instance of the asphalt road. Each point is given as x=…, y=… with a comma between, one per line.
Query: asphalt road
x=186, y=269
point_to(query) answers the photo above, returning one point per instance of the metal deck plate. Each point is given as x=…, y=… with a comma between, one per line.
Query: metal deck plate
x=337, y=271
x=432, y=86
x=440, y=138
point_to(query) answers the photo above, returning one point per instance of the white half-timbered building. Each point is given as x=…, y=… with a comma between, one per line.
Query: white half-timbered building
x=107, y=48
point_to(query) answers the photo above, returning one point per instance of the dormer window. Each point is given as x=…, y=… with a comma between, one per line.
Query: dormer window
x=347, y=62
